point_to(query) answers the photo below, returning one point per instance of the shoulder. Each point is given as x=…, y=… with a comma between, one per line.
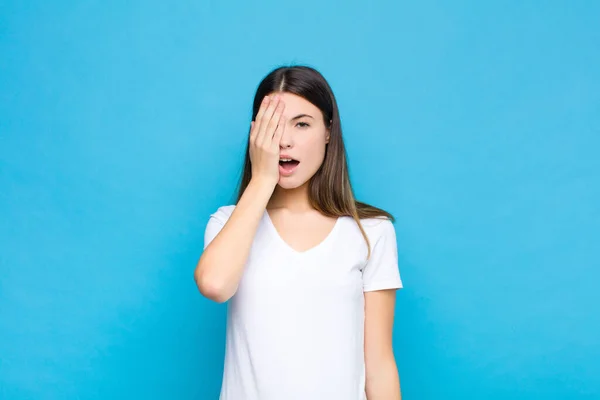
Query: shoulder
x=216, y=221
x=378, y=227
x=222, y=213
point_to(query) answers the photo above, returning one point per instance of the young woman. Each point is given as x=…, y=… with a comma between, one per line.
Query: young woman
x=310, y=273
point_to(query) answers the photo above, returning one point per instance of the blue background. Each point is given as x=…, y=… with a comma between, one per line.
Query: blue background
x=122, y=125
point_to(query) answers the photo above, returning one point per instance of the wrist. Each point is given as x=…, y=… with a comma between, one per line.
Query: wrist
x=263, y=185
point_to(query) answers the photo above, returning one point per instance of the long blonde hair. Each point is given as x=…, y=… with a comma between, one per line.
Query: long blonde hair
x=330, y=191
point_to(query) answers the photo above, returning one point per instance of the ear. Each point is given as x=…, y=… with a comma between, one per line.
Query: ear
x=328, y=132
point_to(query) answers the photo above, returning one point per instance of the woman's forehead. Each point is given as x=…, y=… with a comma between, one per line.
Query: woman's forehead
x=295, y=105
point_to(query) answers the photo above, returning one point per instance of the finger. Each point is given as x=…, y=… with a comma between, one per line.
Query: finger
x=259, y=117
x=273, y=123
x=279, y=132
x=251, y=129
x=266, y=120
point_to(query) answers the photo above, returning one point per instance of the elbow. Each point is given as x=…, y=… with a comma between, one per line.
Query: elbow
x=212, y=288
x=382, y=380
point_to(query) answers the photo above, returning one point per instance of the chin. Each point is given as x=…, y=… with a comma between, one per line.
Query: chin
x=289, y=183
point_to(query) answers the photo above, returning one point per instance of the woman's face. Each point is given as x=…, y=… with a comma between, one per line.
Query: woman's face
x=303, y=141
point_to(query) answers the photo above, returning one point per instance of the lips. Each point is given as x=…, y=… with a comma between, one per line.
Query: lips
x=287, y=165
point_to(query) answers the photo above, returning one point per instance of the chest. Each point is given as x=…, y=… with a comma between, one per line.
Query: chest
x=301, y=233
x=330, y=269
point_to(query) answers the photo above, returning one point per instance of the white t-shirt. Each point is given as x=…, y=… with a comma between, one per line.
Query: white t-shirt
x=295, y=326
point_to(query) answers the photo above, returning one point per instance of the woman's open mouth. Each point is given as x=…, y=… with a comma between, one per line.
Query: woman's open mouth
x=287, y=166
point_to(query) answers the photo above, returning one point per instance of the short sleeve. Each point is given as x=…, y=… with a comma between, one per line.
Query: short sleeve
x=381, y=270
x=215, y=223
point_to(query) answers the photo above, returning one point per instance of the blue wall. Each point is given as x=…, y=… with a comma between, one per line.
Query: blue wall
x=122, y=127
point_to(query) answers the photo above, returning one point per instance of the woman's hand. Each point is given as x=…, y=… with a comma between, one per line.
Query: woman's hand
x=265, y=136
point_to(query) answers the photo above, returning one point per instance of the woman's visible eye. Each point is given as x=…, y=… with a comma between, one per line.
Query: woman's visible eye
x=302, y=125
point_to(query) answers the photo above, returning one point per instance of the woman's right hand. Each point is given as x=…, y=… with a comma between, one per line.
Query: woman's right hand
x=265, y=136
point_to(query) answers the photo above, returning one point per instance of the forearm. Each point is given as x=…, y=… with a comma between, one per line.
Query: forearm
x=383, y=382
x=221, y=265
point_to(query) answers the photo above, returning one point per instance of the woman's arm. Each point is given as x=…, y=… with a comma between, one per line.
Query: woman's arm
x=382, y=380
x=221, y=265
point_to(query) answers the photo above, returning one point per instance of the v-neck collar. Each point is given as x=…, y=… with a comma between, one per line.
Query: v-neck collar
x=275, y=233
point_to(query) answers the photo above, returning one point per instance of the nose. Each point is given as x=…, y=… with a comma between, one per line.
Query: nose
x=286, y=139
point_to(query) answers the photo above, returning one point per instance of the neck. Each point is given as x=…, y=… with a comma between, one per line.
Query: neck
x=291, y=199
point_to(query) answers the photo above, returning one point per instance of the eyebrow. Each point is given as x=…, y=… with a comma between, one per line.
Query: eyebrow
x=301, y=115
